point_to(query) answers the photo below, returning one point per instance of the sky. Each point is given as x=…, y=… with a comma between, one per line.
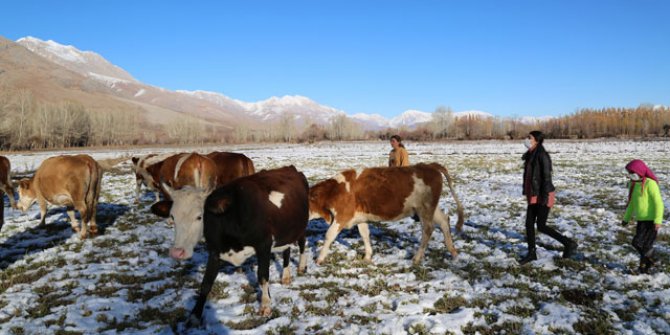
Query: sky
x=507, y=58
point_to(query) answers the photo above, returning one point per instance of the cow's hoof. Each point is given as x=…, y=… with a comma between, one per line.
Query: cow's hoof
x=286, y=280
x=454, y=254
x=265, y=311
x=319, y=262
x=94, y=230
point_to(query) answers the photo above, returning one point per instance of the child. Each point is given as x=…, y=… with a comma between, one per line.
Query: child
x=646, y=207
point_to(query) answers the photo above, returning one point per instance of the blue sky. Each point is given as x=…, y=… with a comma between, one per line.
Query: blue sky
x=508, y=58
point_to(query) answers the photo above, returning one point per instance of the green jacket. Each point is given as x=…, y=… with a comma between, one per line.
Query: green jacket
x=645, y=205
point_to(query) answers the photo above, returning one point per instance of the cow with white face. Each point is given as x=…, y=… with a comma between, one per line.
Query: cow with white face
x=253, y=215
x=185, y=212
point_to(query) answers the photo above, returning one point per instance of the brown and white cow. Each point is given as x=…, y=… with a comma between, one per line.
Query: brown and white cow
x=70, y=181
x=230, y=165
x=383, y=194
x=147, y=172
x=6, y=187
x=257, y=214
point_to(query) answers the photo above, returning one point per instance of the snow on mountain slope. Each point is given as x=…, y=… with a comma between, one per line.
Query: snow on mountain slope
x=83, y=62
x=410, y=118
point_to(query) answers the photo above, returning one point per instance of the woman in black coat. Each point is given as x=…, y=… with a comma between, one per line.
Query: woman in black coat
x=539, y=191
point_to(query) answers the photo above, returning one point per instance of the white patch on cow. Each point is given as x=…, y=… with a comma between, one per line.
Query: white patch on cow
x=187, y=211
x=420, y=192
x=340, y=178
x=281, y=248
x=276, y=198
x=237, y=258
x=181, y=161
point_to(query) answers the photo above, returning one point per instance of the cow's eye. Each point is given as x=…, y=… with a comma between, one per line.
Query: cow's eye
x=199, y=218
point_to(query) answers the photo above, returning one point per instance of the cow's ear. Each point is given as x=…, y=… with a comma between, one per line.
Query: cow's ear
x=135, y=160
x=218, y=205
x=162, y=208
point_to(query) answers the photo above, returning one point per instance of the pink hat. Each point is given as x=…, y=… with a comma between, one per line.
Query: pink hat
x=640, y=168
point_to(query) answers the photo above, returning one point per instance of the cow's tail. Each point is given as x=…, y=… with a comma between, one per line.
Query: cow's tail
x=459, y=207
x=93, y=189
x=109, y=163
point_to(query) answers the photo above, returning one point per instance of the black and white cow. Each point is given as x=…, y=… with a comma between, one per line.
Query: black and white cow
x=254, y=215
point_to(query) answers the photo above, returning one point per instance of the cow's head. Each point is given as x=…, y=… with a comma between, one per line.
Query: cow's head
x=185, y=212
x=27, y=194
x=320, y=198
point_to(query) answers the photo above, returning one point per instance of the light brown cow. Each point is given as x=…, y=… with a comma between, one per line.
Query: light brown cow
x=71, y=181
x=6, y=187
x=147, y=172
x=188, y=169
x=383, y=194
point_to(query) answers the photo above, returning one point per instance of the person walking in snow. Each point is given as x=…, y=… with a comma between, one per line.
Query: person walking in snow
x=398, y=155
x=539, y=192
x=646, y=207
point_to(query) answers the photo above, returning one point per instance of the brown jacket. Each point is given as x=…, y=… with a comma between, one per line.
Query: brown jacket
x=398, y=157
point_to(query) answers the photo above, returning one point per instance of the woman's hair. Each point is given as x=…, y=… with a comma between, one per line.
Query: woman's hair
x=538, y=135
x=399, y=139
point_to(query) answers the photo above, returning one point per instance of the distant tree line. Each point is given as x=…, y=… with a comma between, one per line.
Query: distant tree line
x=27, y=123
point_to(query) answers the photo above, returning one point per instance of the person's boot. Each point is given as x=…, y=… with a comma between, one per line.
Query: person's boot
x=569, y=249
x=644, y=267
x=531, y=256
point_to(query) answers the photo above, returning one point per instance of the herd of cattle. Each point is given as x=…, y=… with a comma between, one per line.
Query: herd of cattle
x=241, y=212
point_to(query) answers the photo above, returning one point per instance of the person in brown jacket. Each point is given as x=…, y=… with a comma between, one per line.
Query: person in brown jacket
x=398, y=156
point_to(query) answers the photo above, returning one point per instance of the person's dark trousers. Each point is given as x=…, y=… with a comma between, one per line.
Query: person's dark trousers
x=538, y=214
x=645, y=235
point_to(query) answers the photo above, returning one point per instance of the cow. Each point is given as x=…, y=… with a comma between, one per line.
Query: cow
x=70, y=181
x=257, y=214
x=6, y=187
x=383, y=194
x=147, y=169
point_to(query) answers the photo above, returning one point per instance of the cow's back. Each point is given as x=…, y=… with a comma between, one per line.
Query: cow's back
x=386, y=191
x=271, y=203
x=230, y=166
x=78, y=176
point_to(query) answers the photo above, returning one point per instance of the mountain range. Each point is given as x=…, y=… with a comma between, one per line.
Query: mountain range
x=54, y=71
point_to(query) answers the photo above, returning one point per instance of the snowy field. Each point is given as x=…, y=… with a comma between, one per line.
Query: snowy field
x=123, y=281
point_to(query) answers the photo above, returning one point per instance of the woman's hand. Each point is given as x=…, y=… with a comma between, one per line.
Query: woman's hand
x=658, y=227
x=551, y=200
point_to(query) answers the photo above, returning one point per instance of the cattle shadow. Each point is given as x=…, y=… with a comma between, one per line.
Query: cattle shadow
x=40, y=238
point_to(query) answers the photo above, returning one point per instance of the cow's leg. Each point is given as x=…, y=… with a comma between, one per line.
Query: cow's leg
x=138, y=189
x=211, y=271
x=364, y=230
x=331, y=234
x=158, y=196
x=427, y=231
x=2, y=211
x=92, y=224
x=73, y=219
x=9, y=190
x=302, y=264
x=263, y=255
x=43, y=212
x=286, y=273
x=443, y=220
x=83, y=212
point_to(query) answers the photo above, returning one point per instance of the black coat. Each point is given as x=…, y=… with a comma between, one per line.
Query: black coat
x=537, y=171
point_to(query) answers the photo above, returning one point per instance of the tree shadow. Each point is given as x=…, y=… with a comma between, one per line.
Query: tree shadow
x=40, y=238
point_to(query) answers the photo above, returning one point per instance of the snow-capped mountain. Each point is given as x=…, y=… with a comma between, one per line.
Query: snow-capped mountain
x=205, y=105
x=410, y=118
x=370, y=121
x=472, y=113
x=86, y=63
